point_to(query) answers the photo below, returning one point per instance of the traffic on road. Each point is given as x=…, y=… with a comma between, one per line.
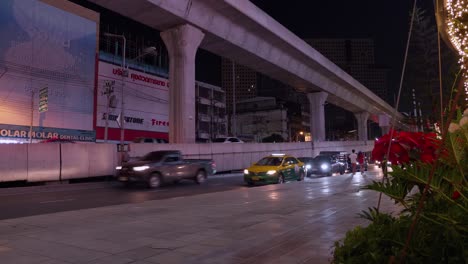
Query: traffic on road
x=179, y=178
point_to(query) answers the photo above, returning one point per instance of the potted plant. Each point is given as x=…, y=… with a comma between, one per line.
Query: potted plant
x=429, y=181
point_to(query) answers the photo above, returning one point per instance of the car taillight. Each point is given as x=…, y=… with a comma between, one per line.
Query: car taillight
x=213, y=164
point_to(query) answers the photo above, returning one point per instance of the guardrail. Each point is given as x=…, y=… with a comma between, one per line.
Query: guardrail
x=54, y=162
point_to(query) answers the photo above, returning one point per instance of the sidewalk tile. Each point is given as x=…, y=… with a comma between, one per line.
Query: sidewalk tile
x=171, y=257
x=141, y=253
x=55, y=250
x=21, y=257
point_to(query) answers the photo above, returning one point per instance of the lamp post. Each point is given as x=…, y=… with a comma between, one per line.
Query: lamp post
x=124, y=73
x=234, y=121
x=108, y=91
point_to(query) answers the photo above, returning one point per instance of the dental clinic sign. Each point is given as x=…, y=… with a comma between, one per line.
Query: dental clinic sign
x=44, y=133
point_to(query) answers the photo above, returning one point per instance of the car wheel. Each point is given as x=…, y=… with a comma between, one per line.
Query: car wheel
x=280, y=179
x=201, y=177
x=250, y=183
x=342, y=172
x=154, y=181
x=301, y=176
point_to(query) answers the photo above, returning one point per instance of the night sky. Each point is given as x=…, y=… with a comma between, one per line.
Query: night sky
x=387, y=22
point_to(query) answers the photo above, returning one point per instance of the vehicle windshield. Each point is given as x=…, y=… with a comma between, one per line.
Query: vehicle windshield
x=270, y=161
x=322, y=158
x=219, y=140
x=153, y=156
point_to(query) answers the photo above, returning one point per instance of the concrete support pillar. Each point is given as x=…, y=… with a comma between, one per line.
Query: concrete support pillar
x=384, y=123
x=385, y=129
x=182, y=43
x=362, y=118
x=317, y=115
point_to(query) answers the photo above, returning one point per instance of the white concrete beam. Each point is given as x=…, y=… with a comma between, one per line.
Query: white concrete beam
x=239, y=30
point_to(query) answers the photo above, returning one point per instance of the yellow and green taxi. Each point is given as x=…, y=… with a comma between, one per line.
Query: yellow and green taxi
x=276, y=168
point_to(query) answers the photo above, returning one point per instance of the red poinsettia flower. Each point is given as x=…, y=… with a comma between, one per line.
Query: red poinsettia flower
x=381, y=147
x=409, y=139
x=398, y=153
x=422, y=146
x=427, y=158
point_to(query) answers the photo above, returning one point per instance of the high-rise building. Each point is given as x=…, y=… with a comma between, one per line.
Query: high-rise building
x=357, y=58
x=244, y=86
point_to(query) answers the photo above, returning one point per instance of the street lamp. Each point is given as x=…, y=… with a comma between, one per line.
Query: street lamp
x=301, y=133
x=124, y=73
x=149, y=50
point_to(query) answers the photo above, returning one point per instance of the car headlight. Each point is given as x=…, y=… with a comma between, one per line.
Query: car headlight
x=118, y=167
x=308, y=166
x=271, y=172
x=246, y=171
x=141, y=168
x=324, y=166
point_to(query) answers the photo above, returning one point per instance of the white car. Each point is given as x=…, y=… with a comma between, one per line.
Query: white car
x=150, y=140
x=228, y=140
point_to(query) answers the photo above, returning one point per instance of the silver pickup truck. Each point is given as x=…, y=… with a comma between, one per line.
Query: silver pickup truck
x=158, y=167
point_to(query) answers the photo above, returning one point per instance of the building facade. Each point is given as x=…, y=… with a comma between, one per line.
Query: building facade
x=47, y=71
x=260, y=117
x=211, y=112
x=65, y=78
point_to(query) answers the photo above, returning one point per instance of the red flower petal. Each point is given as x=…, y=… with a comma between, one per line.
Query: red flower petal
x=427, y=158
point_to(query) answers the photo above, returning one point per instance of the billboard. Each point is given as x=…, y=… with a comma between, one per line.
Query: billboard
x=45, y=48
x=146, y=103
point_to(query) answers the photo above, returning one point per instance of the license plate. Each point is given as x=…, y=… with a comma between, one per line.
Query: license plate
x=123, y=178
x=255, y=178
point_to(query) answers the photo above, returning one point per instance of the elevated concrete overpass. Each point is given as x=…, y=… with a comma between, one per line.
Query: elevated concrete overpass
x=239, y=30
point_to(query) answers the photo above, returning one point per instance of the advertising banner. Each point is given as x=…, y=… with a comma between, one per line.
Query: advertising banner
x=47, y=66
x=146, y=99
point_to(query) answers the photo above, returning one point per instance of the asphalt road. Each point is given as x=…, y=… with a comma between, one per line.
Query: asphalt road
x=28, y=201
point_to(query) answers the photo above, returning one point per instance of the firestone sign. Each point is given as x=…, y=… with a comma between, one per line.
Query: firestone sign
x=136, y=120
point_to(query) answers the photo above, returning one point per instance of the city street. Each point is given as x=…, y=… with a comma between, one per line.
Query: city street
x=36, y=200
x=27, y=201
x=296, y=222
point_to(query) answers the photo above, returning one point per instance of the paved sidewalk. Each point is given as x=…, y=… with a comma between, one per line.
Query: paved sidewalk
x=290, y=223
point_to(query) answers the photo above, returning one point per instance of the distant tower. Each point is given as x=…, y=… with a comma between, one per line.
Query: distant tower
x=245, y=84
x=356, y=57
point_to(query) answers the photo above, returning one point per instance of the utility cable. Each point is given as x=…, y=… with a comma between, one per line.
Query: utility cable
x=392, y=127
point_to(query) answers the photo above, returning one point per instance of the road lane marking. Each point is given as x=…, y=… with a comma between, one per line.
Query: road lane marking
x=57, y=201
